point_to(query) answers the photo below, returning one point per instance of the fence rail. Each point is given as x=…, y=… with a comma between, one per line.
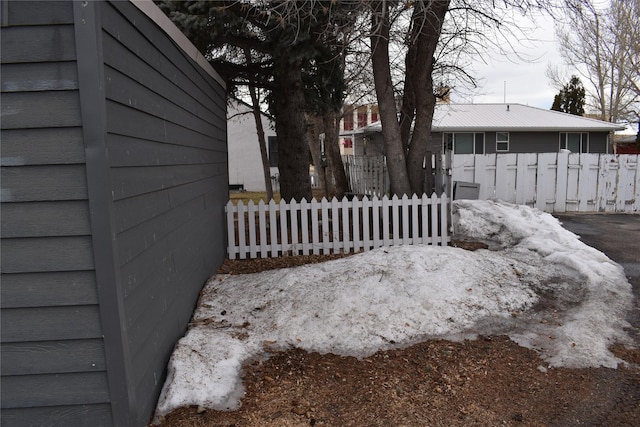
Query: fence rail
x=337, y=226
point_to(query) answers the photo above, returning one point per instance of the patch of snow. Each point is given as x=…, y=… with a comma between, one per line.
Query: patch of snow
x=540, y=285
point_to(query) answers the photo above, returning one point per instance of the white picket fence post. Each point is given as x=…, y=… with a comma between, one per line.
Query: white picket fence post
x=336, y=226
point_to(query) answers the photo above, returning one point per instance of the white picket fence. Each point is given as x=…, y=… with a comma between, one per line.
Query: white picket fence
x=555, y=182
x=336, y=226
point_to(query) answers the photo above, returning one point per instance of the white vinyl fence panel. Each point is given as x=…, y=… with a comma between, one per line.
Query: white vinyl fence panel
x=336, y=226
x=555, y=182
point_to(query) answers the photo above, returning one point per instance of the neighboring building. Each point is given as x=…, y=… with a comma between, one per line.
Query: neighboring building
x=114, y=182
x=499, y=128
x=355, y=117
x=626, y=140
x=245, y=162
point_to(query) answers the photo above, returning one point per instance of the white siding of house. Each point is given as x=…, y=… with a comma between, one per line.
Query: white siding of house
x=245, y=165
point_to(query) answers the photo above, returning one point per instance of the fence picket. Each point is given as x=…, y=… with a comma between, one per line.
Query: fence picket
x=406, y=220
x=395, y=212
x=424, y=209
x=626, y=185
x=284, y=238
x=506, y=182
x=355, y=215
x=573, y=183
x=262, y=220
x=366, y=232
x=294, y=225
x=242, y=247
x=635, y=201
x=485, y=174
x=562, y=168
x=346, y=241
x=315, y=230
x=375, y=223
x=273, y=228
x=589, y=182
x=415, y=220
x=444, y=223
x=433, y=211
x=526, y=178
x=608, y=188
x=386, y=204
x=334, y=227
x=304, y=219
x=251, y=214
x=231, y=230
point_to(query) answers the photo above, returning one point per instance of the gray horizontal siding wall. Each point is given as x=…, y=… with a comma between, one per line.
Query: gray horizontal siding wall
x=165, y=134
x=599, y=142
x=53, y=360
x=532, y=142
x=114, y=181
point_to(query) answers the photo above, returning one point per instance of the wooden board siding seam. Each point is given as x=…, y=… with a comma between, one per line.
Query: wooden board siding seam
x=88, y=36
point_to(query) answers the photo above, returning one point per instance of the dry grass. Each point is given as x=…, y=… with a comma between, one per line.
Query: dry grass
x=256, y=196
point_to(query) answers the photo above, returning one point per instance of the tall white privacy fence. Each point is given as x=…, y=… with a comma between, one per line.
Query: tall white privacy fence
x=336, y=226
x=555, y=182
x=367, y=175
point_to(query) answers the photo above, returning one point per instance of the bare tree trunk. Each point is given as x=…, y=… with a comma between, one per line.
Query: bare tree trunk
x=266, y=170
x=333, y=179
x=338, y=184
x=293, y=151
x=408, y=109
x=313, y=139
x=427, y=26
x=257, y=115
x=386, y=101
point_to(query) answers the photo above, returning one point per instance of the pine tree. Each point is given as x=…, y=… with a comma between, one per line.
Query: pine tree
x=571, y=98
x=293, y=56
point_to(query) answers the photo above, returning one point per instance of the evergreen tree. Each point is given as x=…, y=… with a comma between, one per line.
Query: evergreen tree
x=294, y=56
x=571, y=98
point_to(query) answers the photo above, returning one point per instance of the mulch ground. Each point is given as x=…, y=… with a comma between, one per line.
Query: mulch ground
x=490, y=381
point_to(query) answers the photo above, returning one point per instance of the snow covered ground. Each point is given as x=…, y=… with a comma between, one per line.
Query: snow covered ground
x=537, y=283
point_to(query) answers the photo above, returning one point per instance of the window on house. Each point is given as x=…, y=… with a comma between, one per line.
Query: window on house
x=374, y=114
x=362, y=117
x=576, y=142
x=465, y=143
x=502, y=141
x=348, y=143
x=347, y=121
x=273, y=150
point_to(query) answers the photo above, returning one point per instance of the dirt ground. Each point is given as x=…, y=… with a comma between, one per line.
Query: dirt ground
x=490, y=381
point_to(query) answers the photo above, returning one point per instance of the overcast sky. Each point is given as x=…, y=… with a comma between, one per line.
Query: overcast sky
x=526, y=82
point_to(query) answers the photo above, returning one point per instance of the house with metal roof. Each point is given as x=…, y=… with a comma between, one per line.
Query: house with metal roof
x=499, y=128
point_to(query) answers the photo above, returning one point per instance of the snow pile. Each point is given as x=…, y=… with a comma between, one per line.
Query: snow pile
x=543, y=287
x=590, y=296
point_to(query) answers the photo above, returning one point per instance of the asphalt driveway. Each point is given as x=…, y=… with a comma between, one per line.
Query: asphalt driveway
x=618, y=236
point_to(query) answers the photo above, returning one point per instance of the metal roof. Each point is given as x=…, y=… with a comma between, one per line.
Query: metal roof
x=511, y=117
x=503, y=117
